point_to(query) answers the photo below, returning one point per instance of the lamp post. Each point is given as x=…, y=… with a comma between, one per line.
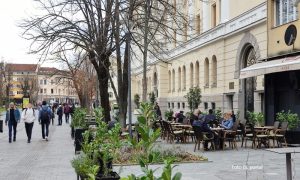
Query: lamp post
x=129, y=86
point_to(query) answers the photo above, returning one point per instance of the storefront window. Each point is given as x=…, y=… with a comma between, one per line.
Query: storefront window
x=285, y=11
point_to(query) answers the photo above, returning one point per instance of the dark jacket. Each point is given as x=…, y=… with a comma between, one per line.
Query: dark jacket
x=45, y=108
x=59, y=111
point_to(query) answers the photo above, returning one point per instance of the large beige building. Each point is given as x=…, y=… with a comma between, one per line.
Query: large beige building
x=227, y=36
x=40, y=83
x=55, y=86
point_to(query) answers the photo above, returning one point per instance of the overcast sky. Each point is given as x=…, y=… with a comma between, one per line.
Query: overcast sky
x=13, y=48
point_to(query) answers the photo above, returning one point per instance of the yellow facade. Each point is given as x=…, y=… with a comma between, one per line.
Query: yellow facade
x=212, y=60
x=276, y=33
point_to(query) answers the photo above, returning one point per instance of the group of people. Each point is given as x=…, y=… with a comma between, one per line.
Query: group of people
x=45, y=115
x=204, y=121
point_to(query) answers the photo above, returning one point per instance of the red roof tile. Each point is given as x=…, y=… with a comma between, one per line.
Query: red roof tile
x=21, y=67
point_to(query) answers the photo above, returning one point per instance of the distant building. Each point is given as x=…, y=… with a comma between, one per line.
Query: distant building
x=38, y=83
x=20, y=81
x=55, y=86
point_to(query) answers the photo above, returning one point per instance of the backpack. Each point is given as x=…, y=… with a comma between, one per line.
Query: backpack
x=45, y=116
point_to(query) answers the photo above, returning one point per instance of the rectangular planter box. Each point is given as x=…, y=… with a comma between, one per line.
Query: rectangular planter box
x=113, y=176
x=78, y=139
x=292, y=137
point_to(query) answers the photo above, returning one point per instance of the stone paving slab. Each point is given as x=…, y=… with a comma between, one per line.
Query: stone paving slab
x=228, y=165
x=39, y=160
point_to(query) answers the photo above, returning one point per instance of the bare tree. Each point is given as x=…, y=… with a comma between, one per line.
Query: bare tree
x=85, y=24
x=158, y=23
x=30, y=88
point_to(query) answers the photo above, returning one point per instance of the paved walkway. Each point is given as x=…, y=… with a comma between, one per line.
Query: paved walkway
x=39, y=160
x=229, y=165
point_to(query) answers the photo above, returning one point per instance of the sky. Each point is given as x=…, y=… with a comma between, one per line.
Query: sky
x=13, y=48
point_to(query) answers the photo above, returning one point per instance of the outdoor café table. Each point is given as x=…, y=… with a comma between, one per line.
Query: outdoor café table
x=220, y=132
x=184, y=127
x=217, y=129
x=287, y=152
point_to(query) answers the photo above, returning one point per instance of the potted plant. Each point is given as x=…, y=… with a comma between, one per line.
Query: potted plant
x=78, y=126
x=293, y=123
x=169, y=115
x=100, y=149
x=255, y=119
x=148, y=156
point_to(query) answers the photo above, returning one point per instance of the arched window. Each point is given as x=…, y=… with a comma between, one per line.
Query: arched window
x=206, y=72
x=169, y=81
x=191, y=75
x=197, y=74
x=214, y=71
x=179, y=79
x=184, y=77
x=173, y=80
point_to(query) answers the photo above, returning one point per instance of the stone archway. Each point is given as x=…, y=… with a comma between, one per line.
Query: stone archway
x=248, y=53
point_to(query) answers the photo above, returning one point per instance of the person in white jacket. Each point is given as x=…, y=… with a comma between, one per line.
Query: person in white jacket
x=28, y=116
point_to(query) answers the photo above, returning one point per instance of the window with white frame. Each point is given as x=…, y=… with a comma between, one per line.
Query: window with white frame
x=285, y=11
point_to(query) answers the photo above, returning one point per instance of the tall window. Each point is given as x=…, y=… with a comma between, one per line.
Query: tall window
x=179, y=79
x=213, y=15
x=192, y=75
x=184, y=77
x=169, y=81
x=175, y=38
x=173, y=80
x=45, y=81
x=198, y=23
x=214, y=71
x=197, y=73
x=206, y=72
x=285, y=11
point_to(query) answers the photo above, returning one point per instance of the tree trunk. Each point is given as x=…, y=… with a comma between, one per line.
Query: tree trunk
x=123, y=89
x=103, y=77
x=145, y=53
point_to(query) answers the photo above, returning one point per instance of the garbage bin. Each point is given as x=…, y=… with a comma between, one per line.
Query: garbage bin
x=1, y=126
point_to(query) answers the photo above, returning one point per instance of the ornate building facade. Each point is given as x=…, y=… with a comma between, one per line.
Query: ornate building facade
x=226, y=36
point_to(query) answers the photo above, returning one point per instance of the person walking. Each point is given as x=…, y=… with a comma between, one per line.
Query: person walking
x=53, y=114
x=44, y=119
x=67, y=112
x=60, y=114
x=157, y=111
x=12, y=119
x=28, y=116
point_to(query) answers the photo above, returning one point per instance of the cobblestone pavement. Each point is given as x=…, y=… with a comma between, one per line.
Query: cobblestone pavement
x=38, y=160
x=41, y=160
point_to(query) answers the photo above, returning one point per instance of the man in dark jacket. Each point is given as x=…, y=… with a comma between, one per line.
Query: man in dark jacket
x=45, y=115
x=60, y=114
x=12, y=119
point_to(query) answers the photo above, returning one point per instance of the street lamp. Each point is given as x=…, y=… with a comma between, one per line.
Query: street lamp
x=129, y=85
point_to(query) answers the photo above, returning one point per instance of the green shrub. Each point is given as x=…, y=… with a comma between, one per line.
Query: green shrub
x=291, y=118
x=78, y=118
